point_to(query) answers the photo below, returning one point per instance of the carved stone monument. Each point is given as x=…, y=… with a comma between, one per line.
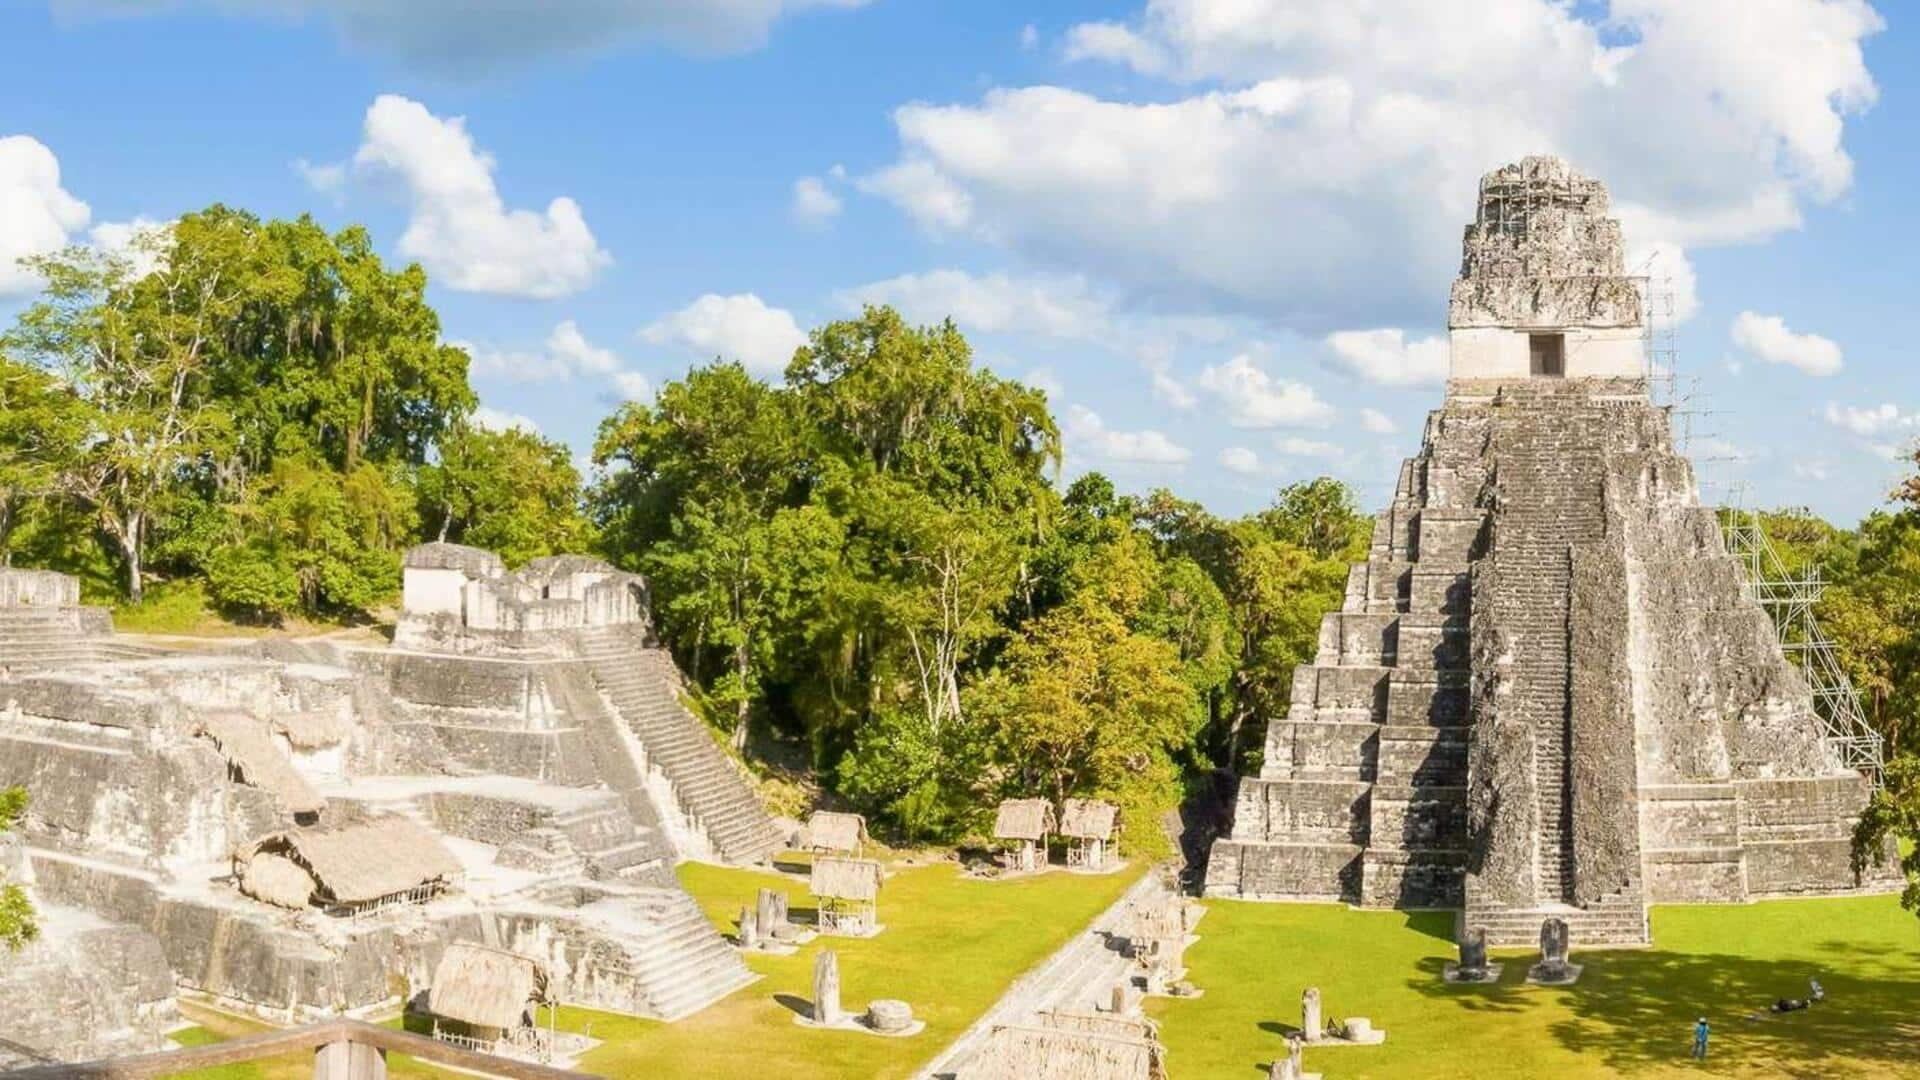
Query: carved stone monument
x=1310, y=1024
x=749, y=929
x=890, y=1017
x=1292, y=1067
x=1554, y=968
x=826, y=988
x=1473, y=966
x=770, y=918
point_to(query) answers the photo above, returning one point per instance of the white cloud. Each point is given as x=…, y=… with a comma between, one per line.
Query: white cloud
x=1029, y=36
x=463, y=39
x=1871, y=420
x=327, y=178
x=1767, y=338
x=1248, y=397
x=738, y=327
x=138, y=241
x=1085, y=433
x=1376, y=422
x=37, y=215
x=1045, y=380
x=632, y=385
x=997, y=303
x=492, y=419
x=935, y=202
x=458, y=226
x=1240, y=459
x=1312, y=163
x=1294, y=446
x=565, y=355
x=1387, y=358
x=814, y=204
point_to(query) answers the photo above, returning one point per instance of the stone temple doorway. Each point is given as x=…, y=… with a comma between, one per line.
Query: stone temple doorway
x=1547, y=354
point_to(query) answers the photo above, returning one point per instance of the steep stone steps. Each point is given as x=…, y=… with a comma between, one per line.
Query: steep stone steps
x=643, y=687
x=679, y=957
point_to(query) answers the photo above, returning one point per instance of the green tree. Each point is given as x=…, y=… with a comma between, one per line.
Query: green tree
x=141, y=350
x=18, y=924
x=42, y=425
x=1082, y=704
x=1892, y=818
x=508, y=491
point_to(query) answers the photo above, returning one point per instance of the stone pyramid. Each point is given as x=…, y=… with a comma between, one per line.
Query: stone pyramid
x=1548, y=691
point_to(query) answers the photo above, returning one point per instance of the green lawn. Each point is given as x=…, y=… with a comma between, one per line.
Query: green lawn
x=950, y=948
x=1630, y=1014
x=214, y=1025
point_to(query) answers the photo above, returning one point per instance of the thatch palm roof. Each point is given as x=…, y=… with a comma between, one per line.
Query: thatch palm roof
x=485, y=987
x=243, y=740
x=278, y=880
x=1023, y=819
x=836, y=878
x=1065, y=1051
x=836, y=832
x=1088, y=819
x=364, y=862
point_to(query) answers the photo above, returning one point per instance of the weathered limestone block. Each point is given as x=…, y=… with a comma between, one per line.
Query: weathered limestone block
x=1603, y=766
x=1502, y=810
x=826, y=988
x=889, y=1016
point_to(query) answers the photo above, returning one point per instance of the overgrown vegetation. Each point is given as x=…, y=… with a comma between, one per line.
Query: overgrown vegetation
x=257, y=407
x=18, y=924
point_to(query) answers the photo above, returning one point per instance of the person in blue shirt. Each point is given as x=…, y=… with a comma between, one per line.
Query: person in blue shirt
x=1700, y=1039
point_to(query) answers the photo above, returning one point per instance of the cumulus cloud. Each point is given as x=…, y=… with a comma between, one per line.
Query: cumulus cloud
x=37, y=215
x=565, y=355
x=1387, y=358
x=1239, y=459
x=814, y=204
x=1872, y=421
x=1084, y=433
x=492, y=419
x=458, y=226
x=1060, y=306
x=1311, y=163
x=1767, y=338
x=463, y=39
x=139, y=241
x=739, y=327
x=1248, y=397
x=1375, y=422
x=1295, y=446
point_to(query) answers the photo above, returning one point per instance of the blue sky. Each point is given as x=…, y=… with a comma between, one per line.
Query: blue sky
x=1221, y=234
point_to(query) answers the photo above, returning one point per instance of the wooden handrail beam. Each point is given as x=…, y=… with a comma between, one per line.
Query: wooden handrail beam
x=277, y=1043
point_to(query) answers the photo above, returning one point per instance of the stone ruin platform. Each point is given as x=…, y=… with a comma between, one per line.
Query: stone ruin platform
x=526, y=727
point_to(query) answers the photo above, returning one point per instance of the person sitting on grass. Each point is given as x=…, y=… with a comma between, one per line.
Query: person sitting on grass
x=1815, y=992
x=1700, y=1039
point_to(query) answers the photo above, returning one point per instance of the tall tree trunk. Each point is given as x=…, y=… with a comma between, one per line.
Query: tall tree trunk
x=743, y=707
x=132, y=542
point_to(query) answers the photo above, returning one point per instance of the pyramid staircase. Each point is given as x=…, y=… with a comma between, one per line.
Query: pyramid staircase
x=642, y=686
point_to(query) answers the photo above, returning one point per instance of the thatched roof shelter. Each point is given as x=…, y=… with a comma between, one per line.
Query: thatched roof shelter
x=366, y=862
x=485, y=987
x=830, y=831
x=836, y=878
x=243, y=740
x=1023, y=819
x=1071, y=1047
x=277, y=880
x=1088, y=819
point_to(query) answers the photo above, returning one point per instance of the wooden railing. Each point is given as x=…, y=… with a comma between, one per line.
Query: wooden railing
x=342, y=1050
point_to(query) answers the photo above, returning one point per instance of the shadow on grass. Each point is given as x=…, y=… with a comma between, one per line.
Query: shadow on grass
x=1433, y=924
x=1633, y=1010
x=796, y=1004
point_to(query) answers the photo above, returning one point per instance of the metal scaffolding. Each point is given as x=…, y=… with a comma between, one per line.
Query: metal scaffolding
x=1790, y=600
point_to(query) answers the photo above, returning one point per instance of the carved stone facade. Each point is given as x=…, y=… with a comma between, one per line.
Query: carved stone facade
x=1547, y=690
